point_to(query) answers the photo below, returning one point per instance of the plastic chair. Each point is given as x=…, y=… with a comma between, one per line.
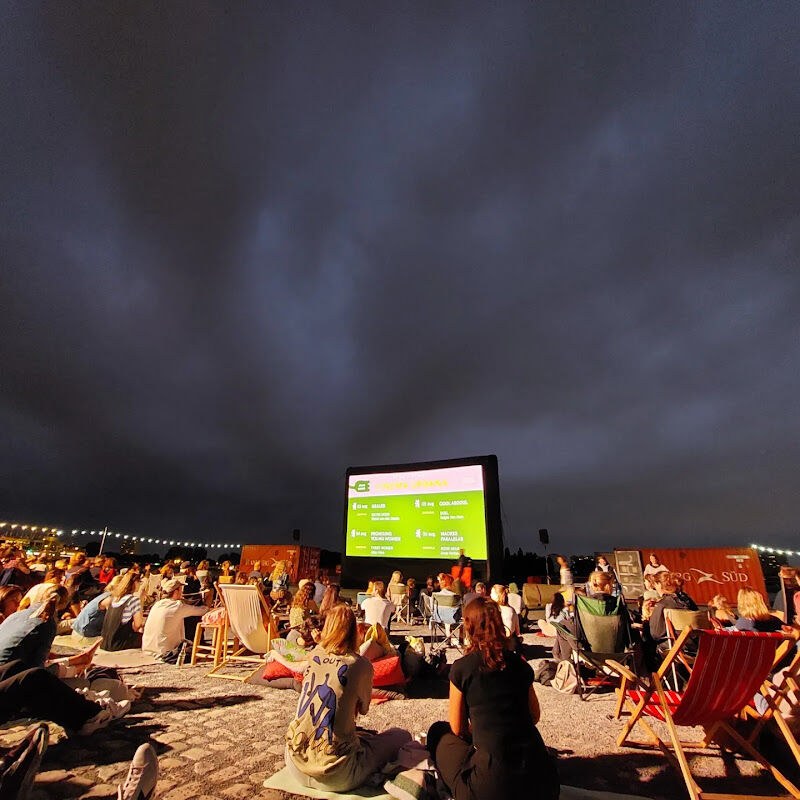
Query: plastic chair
x=729, y=668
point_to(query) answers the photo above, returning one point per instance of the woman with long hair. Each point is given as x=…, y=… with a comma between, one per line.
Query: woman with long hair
x=303, y=605
x=509, y=616
x=329, y=599
x=124, y=622
x=324, y=750
x=490, y=747
x=27, y=635
x=753, y=613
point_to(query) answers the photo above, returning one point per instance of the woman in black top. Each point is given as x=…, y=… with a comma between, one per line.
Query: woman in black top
x=491, y=746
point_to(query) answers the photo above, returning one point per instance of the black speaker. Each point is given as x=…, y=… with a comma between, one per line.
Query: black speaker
x=544, y=536
x=296, y=534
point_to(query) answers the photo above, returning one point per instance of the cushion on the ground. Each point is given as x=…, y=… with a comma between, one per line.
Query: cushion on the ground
x=388, y=672
x=274, y=669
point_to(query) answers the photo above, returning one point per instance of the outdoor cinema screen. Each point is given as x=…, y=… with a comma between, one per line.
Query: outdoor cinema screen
x=421, y=513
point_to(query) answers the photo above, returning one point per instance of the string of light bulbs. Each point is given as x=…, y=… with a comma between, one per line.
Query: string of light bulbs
x=13, y=526
x=776, y=550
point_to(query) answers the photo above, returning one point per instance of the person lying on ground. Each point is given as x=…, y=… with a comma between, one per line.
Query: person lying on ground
x=491, y=747
x=324, y=749
x=164, y=628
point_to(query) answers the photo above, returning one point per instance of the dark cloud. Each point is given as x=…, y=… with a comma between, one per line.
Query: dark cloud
x=244, y=248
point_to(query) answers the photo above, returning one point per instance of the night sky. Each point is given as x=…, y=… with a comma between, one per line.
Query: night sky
x=246, y=246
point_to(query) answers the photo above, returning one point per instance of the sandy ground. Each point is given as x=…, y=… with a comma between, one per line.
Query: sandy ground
x=221, y=739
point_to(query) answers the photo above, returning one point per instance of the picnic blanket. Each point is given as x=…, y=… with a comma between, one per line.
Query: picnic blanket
x=283, y=781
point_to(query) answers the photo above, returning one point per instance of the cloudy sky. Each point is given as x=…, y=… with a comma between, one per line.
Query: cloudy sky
x=245, y=246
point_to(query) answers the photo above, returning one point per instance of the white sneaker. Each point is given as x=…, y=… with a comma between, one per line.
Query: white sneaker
x=109, y=711
x=142, y=775
x=99, y=720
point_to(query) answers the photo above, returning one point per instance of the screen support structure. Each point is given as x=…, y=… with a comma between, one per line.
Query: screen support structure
x=357, y=571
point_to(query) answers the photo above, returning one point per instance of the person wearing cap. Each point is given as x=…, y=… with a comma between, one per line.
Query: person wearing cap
x=164, y=629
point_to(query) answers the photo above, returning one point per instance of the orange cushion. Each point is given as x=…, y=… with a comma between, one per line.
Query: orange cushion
x=275, y=669
x=387, y=672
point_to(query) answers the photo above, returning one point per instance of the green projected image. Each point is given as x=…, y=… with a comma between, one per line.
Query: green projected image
x=418, y=517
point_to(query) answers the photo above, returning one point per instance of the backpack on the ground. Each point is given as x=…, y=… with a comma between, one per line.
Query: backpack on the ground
x=566, y=678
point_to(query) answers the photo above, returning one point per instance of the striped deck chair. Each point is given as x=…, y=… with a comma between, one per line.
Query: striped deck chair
x=781, y=693
x=728, y=670
x=246, y=610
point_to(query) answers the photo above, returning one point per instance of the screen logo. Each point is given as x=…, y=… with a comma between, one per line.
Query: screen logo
x=360, y=486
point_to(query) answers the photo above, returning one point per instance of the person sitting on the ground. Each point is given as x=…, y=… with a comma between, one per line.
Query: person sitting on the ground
x=10, y=599
x=124, y=622
x=320, y=586
x=281, y=601
x=15, y=570
x=555, y=613
x=40, y=592
x=491, y=747
x=329, y=600
x=722, y=610
x=377, y=609
x=164, y=628
x=97, y=566
x=27, y=635
x=509, y=616
x=324, y=750
x=108, y=571
x=753, y=613
x=303, y=605
x=78, y=579
x=89, y=623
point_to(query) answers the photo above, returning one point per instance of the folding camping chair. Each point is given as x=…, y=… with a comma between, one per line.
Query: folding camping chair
x=729, y=668
x=602, y=641
x=246, y=609
x=401, y=605
x=445, y=620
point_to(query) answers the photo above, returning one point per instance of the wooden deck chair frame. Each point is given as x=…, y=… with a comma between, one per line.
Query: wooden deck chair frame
x=218, y=649
x=251, y=642
x=675, y=620
x=776, y=691
x=654, y=694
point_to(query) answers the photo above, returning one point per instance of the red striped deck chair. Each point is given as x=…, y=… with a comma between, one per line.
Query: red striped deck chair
x=729, y=669
x=781, y=691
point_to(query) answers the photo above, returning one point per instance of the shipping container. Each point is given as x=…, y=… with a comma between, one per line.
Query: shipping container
x=710, y=571
x=303, y=562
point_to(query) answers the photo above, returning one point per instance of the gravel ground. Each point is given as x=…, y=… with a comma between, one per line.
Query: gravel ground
x=220, y=739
